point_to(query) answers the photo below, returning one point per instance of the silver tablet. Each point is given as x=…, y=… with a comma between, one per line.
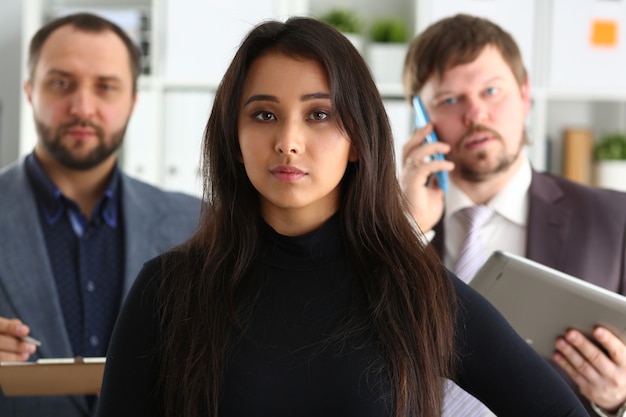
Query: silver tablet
x=542, y=303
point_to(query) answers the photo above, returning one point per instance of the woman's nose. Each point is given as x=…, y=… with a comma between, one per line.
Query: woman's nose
x=289, y=138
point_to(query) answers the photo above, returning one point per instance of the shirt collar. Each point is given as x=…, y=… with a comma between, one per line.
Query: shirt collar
x=511, y=202
x=53, y=203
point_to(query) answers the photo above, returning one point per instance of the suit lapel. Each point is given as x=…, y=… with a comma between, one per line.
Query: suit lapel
x=140, y=228
x=548, y=222
x=25, y=270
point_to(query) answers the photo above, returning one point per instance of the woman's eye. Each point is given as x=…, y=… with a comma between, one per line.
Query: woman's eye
x=449, y=101
x=318, y=115
x=264, y=115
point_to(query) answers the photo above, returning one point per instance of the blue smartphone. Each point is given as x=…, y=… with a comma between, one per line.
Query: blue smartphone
x=421, y=120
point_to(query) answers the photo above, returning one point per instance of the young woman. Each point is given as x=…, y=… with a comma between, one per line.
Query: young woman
x=307, y=291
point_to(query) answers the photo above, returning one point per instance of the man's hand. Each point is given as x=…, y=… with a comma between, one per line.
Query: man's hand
x=417, y=179
x=12, y=348
x=601, y=376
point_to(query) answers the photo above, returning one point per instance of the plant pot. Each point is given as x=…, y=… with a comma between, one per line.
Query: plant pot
x=386, y=61
x=611, y=174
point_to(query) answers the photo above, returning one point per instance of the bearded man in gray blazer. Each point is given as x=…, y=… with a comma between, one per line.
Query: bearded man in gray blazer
x=470, y=76
x=74, y=229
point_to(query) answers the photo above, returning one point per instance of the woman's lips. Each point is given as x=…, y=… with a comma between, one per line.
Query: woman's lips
x=285, y=173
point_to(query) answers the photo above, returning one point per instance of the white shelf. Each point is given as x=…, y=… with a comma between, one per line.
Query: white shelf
x=196, y=85
x=150, y=83
x=552, y=109
x=590, y=96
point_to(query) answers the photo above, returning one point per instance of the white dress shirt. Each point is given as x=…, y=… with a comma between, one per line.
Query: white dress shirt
x=505, y=231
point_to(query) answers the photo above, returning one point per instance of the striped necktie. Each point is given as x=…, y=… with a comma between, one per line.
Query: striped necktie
x=473, y=253
x=457, y=402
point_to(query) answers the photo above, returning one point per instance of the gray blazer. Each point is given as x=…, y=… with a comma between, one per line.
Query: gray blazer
x=154, y=221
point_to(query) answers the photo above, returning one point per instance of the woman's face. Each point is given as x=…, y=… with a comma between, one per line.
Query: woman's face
x=292, y=148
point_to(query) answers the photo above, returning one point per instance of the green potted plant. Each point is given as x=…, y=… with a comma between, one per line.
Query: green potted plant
x=389, y=30
x=387, y=49
x=347, y=22
x=610, y=161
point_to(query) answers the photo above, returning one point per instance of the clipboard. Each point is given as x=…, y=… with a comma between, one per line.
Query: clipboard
x=61, y=376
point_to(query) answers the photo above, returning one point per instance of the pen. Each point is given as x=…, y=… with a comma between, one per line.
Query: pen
x=32, y=340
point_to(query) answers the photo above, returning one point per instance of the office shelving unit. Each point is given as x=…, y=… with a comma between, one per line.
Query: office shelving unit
x=163, y=139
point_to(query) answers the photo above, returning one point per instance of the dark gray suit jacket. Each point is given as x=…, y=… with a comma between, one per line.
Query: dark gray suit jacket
x=578, y=230
x=575, y=229
x=154, y=221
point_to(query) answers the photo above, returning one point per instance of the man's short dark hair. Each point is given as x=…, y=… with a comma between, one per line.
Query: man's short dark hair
x=86, y=22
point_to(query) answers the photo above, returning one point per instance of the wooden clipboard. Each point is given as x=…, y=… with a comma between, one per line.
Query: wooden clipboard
x=62, y=376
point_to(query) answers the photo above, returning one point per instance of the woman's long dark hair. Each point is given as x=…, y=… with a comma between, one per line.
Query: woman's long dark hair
x=410, y=299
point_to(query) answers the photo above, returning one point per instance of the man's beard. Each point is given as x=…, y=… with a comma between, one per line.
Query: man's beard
x=52, y=142
x=468, y=171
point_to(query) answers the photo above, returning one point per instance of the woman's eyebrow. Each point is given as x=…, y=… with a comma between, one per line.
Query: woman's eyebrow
x=274, y=99
x=314, y=96
x=261, y=97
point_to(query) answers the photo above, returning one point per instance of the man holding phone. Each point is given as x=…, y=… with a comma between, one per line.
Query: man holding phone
x=470, y=76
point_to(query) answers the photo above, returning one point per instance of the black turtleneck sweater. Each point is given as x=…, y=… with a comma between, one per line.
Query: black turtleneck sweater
x=288, y=364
